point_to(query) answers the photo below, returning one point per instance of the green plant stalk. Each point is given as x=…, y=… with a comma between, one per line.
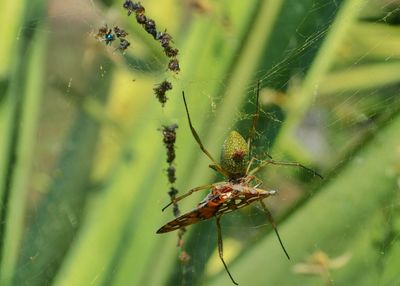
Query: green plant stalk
x=384, y=74
x=248, y=61
x=59, y=213
x=10, y=28
x=358, y=268
x=303, y=99
x=362, y=186
x=390, y=274
x=16, y=206
x=365, y=265
x=107, y=215
x=374, y=41
x=10, y=22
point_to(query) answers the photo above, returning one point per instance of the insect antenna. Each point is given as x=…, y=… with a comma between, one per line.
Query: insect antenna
x=271, y=220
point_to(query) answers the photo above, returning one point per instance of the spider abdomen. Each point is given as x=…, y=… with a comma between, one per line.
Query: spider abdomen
x=235, y=155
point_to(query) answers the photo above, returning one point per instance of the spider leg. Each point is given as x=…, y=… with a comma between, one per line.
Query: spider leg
x=291, y=164
x=271, y=220
x=177, y=199
x=220, y=248
x=249, y=178
x=267, y=154
x=256, y=115
x=218, y=167
x=258, y=181
x=249, y=165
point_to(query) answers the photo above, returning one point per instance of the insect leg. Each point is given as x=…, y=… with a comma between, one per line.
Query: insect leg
x=220, y=248
x=197, y=138
x=290, y=164
x=188, y=194
x=271, y=220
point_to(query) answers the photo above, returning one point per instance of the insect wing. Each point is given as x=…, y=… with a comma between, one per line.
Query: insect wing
x=242, y=199
x=208, y=208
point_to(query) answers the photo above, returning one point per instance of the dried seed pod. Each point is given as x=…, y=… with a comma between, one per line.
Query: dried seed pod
x=141, y=18
x=171, y=52
x=169, y=134
x=173, y=65
x=133, y=7
x=160, y=91
x=164, y=38
x=171, y=174
x=150, y=27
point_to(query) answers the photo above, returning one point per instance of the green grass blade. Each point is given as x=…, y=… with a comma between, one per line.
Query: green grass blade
x=26, y=134
x=301, y=101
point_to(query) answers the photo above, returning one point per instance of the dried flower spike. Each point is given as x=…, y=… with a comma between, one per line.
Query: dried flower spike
x=171, y=174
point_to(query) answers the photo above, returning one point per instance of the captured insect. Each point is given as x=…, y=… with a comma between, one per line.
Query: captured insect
x=123, y=45
x=120, y=33
x=106, y=35
x=240, y=187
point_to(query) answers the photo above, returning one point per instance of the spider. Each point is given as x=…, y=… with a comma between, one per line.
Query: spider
x=239, y=189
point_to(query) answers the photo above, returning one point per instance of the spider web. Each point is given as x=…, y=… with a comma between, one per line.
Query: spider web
x=96, y=96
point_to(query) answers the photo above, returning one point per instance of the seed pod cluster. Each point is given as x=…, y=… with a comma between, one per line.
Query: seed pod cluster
x=165, y=40
x=169, y=138
x=150, y=27
x=160, y=91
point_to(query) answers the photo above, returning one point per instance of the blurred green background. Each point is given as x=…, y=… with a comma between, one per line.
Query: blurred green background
x=82, y=164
